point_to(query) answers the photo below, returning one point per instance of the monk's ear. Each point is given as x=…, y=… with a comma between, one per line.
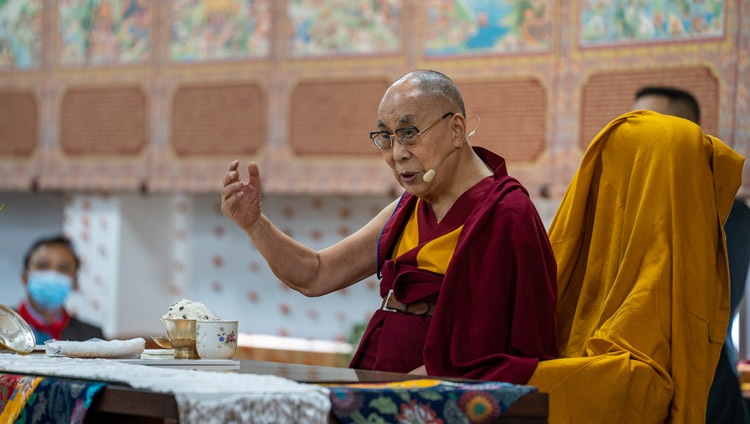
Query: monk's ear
x=458, y=129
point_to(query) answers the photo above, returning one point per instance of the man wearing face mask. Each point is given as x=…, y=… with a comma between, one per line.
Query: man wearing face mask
x=49, y=275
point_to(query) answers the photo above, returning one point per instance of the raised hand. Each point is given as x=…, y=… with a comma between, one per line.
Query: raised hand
x=240, y=201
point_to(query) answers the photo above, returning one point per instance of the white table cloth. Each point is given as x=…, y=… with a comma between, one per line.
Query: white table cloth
x=202, y=396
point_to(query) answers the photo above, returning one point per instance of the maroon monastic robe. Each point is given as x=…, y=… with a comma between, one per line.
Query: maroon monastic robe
x=495, y=305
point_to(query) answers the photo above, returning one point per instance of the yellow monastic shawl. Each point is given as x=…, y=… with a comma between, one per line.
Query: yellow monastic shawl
x=643, y=282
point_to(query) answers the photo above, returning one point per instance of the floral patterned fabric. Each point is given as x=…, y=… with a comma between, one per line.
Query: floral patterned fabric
x=30, y=399
x=424, y=401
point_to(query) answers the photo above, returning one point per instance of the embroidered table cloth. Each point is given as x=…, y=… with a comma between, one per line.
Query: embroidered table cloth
x=424, y=401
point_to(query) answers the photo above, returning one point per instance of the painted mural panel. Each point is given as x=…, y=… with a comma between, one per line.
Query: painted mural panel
x=209, y=30
x=20, y=33
x=455, y=27
x=635, y=21
x=343, y=27
x=104, y=32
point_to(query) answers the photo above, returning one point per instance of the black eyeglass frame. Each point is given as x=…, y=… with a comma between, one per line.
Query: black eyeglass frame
x=402, y=134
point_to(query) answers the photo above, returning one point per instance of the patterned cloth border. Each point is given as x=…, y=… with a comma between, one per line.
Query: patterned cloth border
x=32, y=399
x=424, y=401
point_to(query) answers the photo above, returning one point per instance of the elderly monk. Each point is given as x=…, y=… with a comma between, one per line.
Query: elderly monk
x=467, y=272
x=643, y=282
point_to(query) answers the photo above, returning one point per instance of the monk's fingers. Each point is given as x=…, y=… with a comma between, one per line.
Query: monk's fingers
x=252, y=170
x=232, y=190
x=240, y=192
x=253, y=175
x=233, y=205
x=253, y=180
x=230, y=177
x=232, y=174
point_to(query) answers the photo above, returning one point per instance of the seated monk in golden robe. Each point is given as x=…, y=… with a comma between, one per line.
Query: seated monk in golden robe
x=643, y=283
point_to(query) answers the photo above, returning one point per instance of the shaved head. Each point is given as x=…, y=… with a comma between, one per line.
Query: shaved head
x=436, y=84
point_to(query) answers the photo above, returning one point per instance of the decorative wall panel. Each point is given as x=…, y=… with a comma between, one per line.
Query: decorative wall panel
x=512, y=115
x=320, y=67
x=20, y=34
x=103, y=121
x=225, y=119
x=480, y=26
x=619, y=22
x=113, y=32
x=335, y=117
x=19, y=121
x=210, y=30
x=361, y=27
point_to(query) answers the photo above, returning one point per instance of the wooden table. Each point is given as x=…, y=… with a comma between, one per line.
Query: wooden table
x=122, y=404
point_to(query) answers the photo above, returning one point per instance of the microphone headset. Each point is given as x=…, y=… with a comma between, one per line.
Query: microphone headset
x=430, y=174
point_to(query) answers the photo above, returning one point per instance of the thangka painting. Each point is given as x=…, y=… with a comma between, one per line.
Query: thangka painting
x=208, y=30
x=455, y=27
x=20, y=34
x=344, y=27
x=105, y=32
x=632, y=21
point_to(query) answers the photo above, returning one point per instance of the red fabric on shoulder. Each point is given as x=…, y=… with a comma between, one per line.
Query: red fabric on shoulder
x=54, y=329
x=495, y=314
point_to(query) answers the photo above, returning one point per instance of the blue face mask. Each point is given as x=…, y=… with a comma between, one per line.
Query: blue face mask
x=49, y=289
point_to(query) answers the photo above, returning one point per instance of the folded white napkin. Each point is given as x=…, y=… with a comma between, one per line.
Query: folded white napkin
x=96, y=348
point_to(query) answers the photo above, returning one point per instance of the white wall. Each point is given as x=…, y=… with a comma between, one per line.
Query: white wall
x=143, y=253
x=126, y=242
x=93, y=222
x=146, y=255
x=231, y=277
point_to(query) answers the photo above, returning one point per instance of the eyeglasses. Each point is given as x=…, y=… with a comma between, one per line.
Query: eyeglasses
x=407, y=136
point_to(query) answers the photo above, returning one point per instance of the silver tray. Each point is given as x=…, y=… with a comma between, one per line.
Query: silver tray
x=15, y=333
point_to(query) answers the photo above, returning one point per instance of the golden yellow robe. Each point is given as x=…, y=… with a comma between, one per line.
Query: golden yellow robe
x=643, y=282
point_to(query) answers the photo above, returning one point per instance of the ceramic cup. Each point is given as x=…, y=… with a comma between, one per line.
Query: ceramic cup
x=216, y=339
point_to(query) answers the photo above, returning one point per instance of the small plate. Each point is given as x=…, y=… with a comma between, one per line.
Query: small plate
x=157, y=353
x=15, y=333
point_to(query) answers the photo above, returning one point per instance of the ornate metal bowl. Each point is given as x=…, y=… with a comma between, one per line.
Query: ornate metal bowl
x=181, y=334
x=15, y=333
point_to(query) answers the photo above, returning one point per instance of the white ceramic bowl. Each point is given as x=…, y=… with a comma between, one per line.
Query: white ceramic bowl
x=216, y=339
